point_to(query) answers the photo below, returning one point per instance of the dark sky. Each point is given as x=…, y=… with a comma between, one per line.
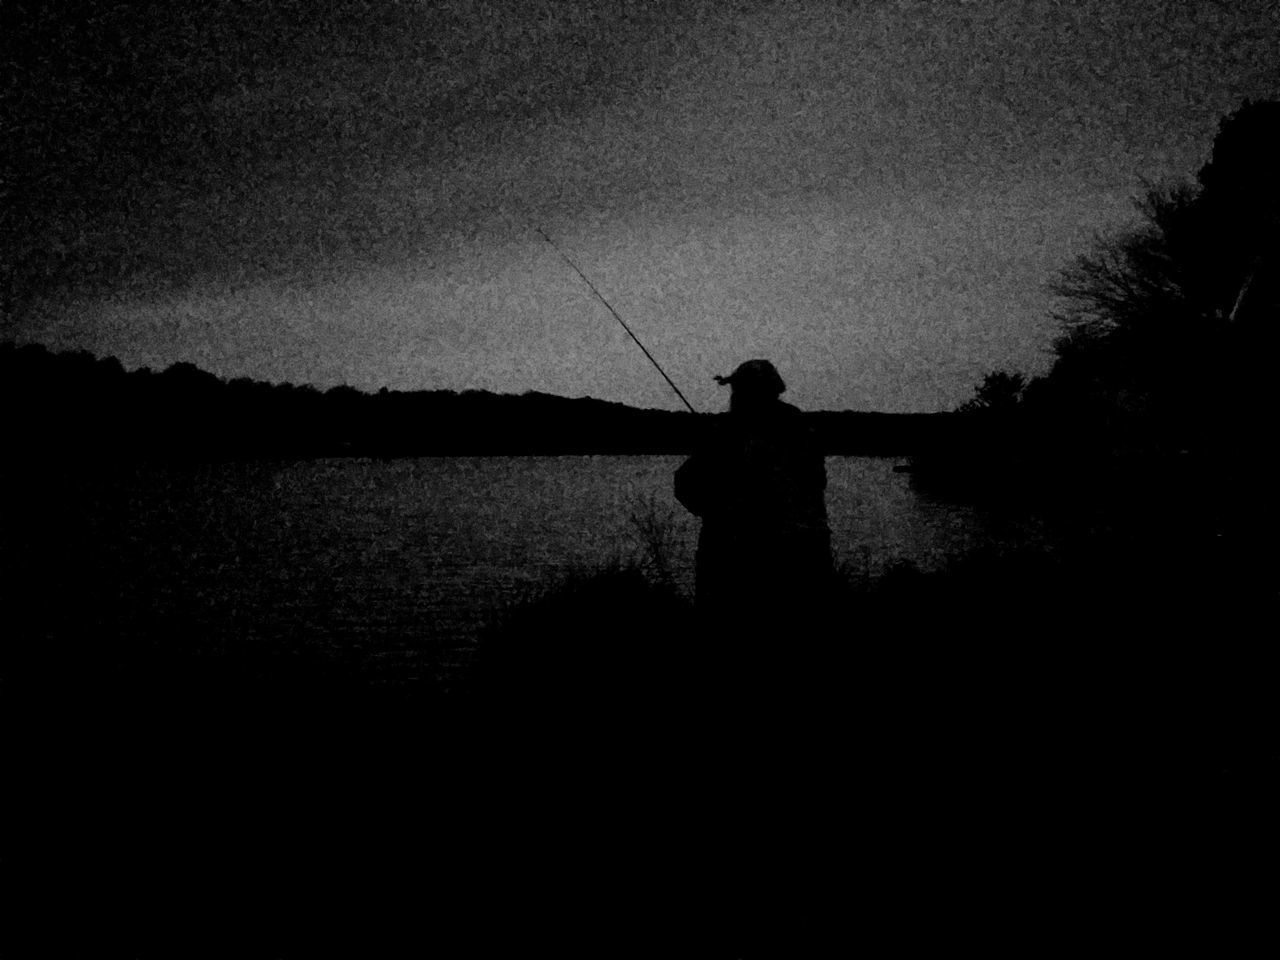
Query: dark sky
x=873, y=194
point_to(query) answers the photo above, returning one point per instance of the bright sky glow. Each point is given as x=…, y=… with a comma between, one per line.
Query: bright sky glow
x=873, y=195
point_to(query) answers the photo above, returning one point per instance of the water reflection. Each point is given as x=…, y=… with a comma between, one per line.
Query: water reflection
x=392, y=568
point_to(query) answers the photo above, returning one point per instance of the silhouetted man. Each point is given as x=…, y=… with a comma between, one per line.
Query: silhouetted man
x=758, y=483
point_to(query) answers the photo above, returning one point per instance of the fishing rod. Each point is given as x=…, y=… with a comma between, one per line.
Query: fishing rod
x=566, y=259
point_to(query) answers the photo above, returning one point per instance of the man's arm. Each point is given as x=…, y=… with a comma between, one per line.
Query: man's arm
x=691, y=485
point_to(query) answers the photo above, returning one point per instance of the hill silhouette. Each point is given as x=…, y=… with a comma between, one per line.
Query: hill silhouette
x=70, y=403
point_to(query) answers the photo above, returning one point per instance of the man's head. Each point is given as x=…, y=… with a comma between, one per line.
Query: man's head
x=755, y=381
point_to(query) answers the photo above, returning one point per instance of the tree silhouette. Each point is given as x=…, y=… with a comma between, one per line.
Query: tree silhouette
x=998, y=393
x=1164, y=325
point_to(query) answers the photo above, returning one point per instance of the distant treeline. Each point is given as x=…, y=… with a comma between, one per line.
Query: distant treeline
x=74, y=402
x=1169, y=328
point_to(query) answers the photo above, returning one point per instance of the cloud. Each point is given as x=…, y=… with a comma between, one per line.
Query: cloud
x=155, y=144
x=750, y=175
x=278, y=139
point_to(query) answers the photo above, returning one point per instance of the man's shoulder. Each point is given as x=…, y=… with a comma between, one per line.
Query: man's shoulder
x=799, y=429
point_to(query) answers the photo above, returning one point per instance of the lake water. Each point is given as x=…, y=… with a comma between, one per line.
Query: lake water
x=398, y=565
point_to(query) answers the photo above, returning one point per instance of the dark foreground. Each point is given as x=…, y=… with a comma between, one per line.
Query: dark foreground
x=1024, y=750
x=1004, y=756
